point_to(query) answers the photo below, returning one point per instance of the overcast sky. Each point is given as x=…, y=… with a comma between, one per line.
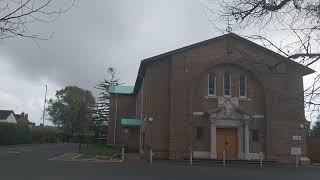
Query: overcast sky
x=90, y=37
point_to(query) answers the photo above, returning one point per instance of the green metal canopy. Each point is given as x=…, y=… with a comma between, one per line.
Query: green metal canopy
x=122, y=90
x=131, y=122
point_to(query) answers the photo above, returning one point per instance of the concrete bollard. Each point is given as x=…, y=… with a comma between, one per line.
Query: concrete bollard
x=151, y=155
x=260, y=158
x=224, y=158
x=191, y=158
x=122, y=154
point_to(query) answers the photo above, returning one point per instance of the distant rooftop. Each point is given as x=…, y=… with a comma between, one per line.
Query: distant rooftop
x=5, y=113
x=122, y=90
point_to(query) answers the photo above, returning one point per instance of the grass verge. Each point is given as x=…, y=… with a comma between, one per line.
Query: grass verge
x=104, y=150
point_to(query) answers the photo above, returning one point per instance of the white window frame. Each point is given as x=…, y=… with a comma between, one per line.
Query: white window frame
x=245, y=85
x=229, y=86
x=214, y=84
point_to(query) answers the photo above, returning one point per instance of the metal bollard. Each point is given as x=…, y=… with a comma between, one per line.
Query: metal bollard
x=297, y=161
x=224, y=158
x=122, y=154
x=260, y=158
x=151, y=155
x=191, y=157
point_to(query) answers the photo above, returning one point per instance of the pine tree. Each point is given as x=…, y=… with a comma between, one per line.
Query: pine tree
x=103, y=101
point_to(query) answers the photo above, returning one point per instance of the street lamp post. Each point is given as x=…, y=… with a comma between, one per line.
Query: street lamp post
x=44, y=105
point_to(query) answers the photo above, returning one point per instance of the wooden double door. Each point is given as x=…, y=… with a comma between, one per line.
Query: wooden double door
x=227, y=140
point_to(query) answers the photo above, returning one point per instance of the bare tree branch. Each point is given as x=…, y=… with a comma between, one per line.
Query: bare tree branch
x=17, y=15
x=295, y=23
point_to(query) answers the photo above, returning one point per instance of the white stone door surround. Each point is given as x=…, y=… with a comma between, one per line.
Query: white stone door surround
x=226, y=116
x=243, y=136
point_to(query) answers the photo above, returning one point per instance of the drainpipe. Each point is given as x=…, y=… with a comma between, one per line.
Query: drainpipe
x=115, y=120
x=141, y=117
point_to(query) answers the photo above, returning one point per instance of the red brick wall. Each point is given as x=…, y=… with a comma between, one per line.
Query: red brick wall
x=125, y=109
x=174, y=87
x=313, y=144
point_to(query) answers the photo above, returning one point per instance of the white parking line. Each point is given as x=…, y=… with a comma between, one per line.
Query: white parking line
x=14, y=152
x=61, y=156
x=73, y=157
x=76, y=156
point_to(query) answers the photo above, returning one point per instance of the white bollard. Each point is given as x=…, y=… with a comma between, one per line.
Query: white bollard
x=224, y=158
x=122, y=154
x=151, y=155
x=191, y=157
x=260, y=158
x=297, y=161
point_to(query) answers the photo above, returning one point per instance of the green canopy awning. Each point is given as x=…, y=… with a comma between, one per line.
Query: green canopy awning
x=131, y=122
x=122, y=90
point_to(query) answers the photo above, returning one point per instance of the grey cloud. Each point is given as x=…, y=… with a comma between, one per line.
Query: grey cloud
x=96, y=34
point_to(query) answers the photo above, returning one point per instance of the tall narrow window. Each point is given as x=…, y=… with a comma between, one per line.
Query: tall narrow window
x=255, y=135
x=211, y=84
x=227, y=84
x=243, y=86
x=199, y=133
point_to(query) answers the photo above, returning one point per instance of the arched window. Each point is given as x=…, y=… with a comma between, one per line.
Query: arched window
x=227, y=84
x=243, y=86
x=211, y=84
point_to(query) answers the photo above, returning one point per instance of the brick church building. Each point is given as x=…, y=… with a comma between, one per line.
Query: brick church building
x=223, y=94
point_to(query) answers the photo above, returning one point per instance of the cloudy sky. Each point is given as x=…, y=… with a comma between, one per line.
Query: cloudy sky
x=90, y=37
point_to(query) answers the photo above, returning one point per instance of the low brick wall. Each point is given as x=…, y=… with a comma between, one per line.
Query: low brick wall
x=313, y=148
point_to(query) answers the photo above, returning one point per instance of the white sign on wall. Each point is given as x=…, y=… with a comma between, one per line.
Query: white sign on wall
x=295, y=151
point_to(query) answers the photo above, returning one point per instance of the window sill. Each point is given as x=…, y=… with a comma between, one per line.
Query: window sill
x=199, y=141
x=243, y=98
x=211, y=96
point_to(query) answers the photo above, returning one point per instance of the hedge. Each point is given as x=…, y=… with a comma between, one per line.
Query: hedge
x=11, y=134
x=76, y=138
x=40, y=135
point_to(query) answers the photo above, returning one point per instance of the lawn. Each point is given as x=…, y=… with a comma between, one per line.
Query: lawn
x=104, y=150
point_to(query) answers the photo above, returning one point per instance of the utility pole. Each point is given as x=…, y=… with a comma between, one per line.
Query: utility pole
x=44, y=106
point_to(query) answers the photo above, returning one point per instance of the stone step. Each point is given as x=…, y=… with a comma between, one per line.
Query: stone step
x=133, y=156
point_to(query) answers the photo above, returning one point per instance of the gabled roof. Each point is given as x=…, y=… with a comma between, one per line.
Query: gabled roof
x=4, y=114
x=144, y=63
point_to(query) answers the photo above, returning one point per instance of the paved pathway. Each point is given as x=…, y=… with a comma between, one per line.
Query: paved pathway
x=30, y=162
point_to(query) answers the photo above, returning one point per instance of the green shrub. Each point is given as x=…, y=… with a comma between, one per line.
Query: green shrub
x=50, y=137
x=40, y=135
x=75, y=138
x=64, y=137
x=37, y=136
x=99, y=149
x=88, y=139
x=11, y=134
x=84, y=139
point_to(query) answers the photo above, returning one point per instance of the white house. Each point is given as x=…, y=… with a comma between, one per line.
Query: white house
x=7, y=116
